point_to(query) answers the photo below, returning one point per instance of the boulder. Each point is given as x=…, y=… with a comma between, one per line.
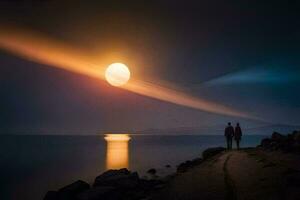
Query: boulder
x=289, y=143
x=277, y=136
x=70, y=191
x=265, y=143
x=148, y=185
x=97, y=193
x=131, y=181
x=210, y=152
x=151, y=171
x=77, y=186
x=112, y=173
x=183, y=167
x=296, y=136
x=51, y=195
x=293, y=179
x=117, y=178
x=196, y=161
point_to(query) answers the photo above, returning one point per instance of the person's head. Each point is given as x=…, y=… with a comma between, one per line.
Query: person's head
x=229, y=123
x=237, y=124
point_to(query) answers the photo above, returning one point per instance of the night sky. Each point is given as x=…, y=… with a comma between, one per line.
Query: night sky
x=241, y=54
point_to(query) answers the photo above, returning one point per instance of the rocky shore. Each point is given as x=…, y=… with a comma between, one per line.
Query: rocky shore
x=122, y=184
x=112, y=184
x=213, y=176
x=289, y=143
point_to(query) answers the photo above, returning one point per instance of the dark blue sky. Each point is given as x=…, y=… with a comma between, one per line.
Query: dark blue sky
x=244, y=55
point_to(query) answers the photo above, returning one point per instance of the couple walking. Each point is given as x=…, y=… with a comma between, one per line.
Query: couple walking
x=230, y=133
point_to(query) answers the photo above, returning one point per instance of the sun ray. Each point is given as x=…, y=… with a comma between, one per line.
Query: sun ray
x=38, y=48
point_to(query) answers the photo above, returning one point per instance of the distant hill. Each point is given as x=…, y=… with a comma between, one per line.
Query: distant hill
x=183, y=131
x=260, y=130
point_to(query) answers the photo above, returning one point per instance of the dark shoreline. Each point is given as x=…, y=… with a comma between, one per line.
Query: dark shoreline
x=117, y=182
x=123, y=184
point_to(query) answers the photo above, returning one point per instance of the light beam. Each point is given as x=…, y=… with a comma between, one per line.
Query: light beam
x=38, y=48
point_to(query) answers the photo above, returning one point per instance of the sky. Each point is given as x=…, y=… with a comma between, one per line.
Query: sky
x=243, y=55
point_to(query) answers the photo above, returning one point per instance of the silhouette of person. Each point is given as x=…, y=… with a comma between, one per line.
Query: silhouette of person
x=238, y=135
x=229, y=132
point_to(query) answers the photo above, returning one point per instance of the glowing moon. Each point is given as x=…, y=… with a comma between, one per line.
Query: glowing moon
x=117, y=74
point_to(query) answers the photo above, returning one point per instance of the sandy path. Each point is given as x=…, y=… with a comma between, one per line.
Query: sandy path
x=189, y=185
x=233, y=175
x=254, y=179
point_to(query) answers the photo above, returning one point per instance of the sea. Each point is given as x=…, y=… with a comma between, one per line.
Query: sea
x=31, y=165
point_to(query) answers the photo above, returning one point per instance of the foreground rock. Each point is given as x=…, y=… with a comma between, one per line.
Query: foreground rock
x=111, y=185
x=121, y=184
x=287, y=143
x=69, y=191
x=122, y=178
x=151, y=171
x=183, y=167
x=96, y=193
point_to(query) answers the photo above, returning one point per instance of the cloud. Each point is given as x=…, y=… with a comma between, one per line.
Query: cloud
x=257, y=76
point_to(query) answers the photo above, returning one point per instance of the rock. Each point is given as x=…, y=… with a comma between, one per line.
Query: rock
x=77, y=186
x=147, y=185
x=114, y=172
x=206, y=154
x=110, y=174
x=129, y=182
x=293, y=179
x=118, y=178
x=196, y=161
x=296, y=136
x=51, y=195
x=212, y=152
x=119, y=184
x=265, y=143
x=97, y=193
x=277, y=136
x=183, y=167
x=151, y=171
x=70, y=191
x=270, y=164
x=288, y=144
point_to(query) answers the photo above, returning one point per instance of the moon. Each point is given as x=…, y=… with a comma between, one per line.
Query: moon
x=117, y=74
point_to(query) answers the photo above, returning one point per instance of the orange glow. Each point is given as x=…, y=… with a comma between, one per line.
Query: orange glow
x=37, y=48
x=117, y=152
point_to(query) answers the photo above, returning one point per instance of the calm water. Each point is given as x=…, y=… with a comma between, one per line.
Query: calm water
x=32, y=165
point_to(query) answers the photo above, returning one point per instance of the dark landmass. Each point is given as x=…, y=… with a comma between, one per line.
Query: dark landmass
x=259, y=130
x=269, y=171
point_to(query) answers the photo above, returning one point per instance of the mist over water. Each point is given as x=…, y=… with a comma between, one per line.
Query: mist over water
x=32, y=165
